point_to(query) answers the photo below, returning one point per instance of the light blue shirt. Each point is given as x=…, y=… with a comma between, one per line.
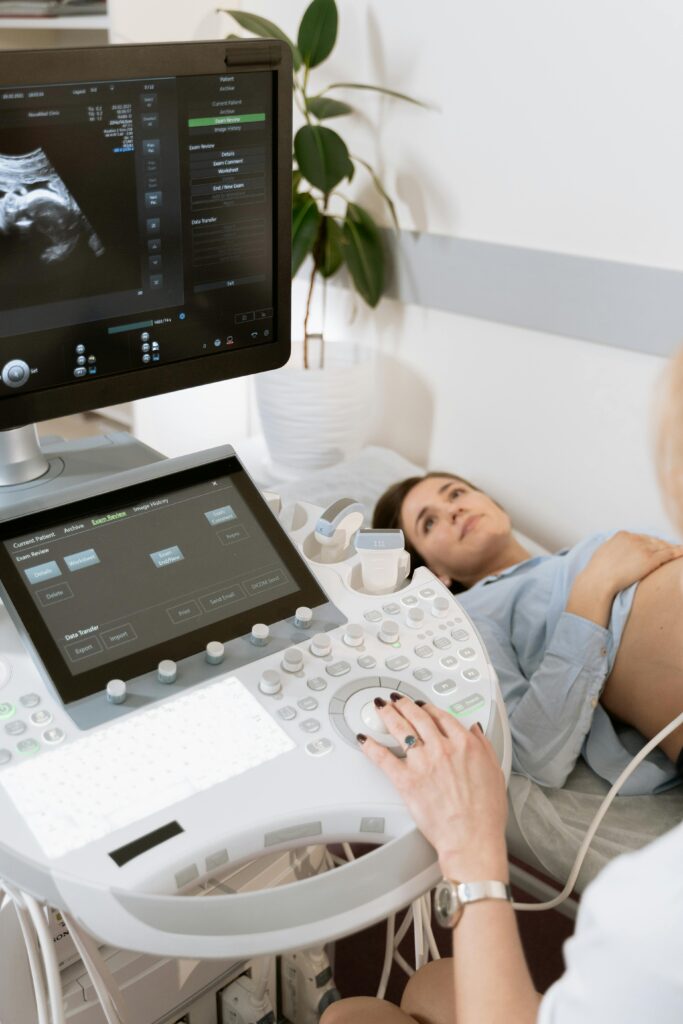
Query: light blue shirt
x=552, y=667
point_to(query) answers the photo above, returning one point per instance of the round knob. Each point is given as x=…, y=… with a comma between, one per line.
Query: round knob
x=370, y=717
x=167, y=671
x=270, y=682
x=303, y=617
x=215, y=652
x=416, y=618
x=388, y=632
x=15, y=373
x=321, y=645
x=292, y=660
x=354, y=635
x=441, y=606
x=259, y=634
x=116, y=691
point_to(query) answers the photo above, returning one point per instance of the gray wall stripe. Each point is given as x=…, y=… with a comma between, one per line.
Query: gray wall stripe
x=621, y=304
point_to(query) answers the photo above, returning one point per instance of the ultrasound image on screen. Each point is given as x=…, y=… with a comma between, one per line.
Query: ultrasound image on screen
x=68, y=216
x=39, y=212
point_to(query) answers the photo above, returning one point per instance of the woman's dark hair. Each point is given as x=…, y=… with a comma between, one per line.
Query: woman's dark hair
x=387, y=514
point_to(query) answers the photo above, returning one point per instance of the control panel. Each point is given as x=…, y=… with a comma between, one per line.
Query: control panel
x=232, y=742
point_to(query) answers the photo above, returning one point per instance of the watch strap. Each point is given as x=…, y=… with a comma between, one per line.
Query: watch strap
x=470, y=892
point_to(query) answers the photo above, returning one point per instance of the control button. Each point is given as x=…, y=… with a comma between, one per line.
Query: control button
x=367, y=661
x=427, y=592
x=146, y=346
x=415, y=618
x=260, y=634
x=392, y=608
x=308, y=704
x=5, y=756
x=467, y=652
x=338, y=668
x=81, y=361
x=310, y=725
x=317, y=748
x=423, y=675
x=15, y=728
x=442, y=642
x=471, y=674
x=398, y=663
x=15, y=373
x=144, y=337
x=167, y=671
x=293, y=660
x=388, y=632
x=371, y=718
x=424, y=651
x=54, y=735
x=5, y=672
x=373, y=615
x=468, y=705
x=155, y=346
x=146, y=358
x=6, y=710
x=354, y=635
x=270, y=682
x=80, y=350
x=80, y=371
x=303, y=617
x=445, y=686
x=116, y=691
x=287, y=713
x=409, y=601
x=91, y=360
x=460, y=634
x=316, y=683
x=215, y=652
x=441, y=606
x=449, y=661
x=41, y=717
x=28, y=746
x=321, y=645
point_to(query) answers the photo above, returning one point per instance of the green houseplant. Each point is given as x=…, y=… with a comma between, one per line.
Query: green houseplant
x=326, y=225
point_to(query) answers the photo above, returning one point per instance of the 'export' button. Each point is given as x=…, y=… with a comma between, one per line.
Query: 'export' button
x=84, y=648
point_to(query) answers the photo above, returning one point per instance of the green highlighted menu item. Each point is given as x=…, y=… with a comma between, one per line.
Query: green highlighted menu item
x=214, y=122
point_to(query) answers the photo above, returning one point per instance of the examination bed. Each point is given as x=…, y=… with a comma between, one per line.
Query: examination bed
x=546, y=826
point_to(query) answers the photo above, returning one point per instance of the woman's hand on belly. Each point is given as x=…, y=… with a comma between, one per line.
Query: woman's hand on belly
x=624, y=559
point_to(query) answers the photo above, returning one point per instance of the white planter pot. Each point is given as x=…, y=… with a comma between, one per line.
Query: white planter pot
x=315, y=418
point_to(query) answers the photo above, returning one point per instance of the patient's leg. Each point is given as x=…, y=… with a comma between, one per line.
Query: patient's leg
x=428, y=999
x=645, y=687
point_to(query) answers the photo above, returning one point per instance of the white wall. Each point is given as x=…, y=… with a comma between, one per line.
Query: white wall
x=555, y=129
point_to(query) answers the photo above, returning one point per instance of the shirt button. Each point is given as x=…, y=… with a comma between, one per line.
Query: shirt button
x=594, y=702
x=603, y=652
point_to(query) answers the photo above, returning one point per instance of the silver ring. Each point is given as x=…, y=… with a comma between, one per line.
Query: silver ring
x=410, y=742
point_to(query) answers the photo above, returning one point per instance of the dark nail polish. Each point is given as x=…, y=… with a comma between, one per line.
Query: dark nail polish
x=421, y=703
x=379, y=703
x=361, y=737
x=395, y=696
x=477, y=725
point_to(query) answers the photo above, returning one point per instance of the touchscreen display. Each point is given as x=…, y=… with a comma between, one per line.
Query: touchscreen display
x=117, y=585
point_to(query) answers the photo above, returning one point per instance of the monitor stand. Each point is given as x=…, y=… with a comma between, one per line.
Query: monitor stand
x=32, y=471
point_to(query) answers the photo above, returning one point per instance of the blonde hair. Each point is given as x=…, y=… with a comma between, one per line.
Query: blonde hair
x=670, y=440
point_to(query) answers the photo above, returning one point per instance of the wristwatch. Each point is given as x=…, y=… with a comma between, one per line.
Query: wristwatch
x=450, y=898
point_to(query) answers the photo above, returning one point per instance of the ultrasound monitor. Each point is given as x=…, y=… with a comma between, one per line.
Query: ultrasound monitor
x=145, y=222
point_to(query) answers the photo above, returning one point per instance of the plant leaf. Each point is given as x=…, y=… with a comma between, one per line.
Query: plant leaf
x=305, y=227
x=363, y=253
x=322, y=156
x=265, y=29
x=296, y=180
x=318, y=32
x=377, y=88
x=322, y=107
x=333, y=242
x=382, y=191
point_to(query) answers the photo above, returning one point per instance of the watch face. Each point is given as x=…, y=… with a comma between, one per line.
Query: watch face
x=447, y=906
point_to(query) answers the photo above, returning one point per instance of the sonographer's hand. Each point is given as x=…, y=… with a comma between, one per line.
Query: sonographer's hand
x=453, y=787
x=624, y=559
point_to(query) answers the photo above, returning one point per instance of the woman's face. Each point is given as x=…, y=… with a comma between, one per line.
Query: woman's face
x=459, y=532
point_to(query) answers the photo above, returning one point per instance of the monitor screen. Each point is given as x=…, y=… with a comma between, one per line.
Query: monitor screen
x=110, y=585
x=144, y=213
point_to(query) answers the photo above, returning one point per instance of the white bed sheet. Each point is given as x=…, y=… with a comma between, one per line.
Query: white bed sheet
x=552, y=822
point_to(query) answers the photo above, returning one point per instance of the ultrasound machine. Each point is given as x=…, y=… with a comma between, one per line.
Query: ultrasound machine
x=184, y=665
